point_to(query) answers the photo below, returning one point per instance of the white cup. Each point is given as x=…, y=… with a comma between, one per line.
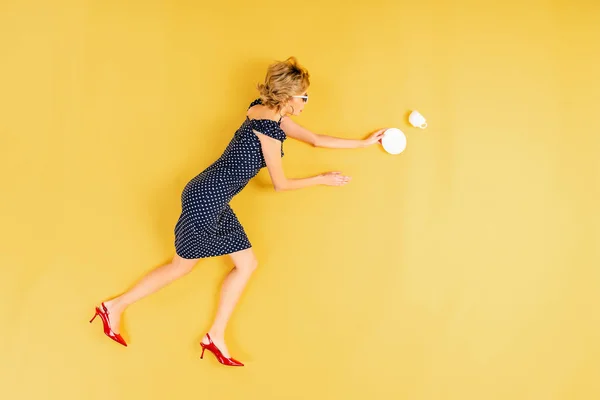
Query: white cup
x=417, y=120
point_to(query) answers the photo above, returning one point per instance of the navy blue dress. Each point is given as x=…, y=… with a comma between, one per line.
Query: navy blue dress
x=207, y=226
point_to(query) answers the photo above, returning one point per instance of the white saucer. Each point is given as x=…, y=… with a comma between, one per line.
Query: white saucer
x=393, y=141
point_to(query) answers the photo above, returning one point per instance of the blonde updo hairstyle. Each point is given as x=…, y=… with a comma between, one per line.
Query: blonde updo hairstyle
x=284, y=79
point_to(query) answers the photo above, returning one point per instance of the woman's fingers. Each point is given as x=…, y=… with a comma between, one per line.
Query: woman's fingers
x=335, y=178
x=343, y=180
x=377, y=136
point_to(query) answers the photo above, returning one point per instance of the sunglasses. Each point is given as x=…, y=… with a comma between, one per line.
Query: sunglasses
x=304, y=98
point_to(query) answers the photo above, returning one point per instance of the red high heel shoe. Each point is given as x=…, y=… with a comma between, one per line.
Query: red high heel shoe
x=103, y=313
x=232, y=362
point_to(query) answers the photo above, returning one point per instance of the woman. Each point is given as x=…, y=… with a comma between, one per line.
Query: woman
x=208, y=227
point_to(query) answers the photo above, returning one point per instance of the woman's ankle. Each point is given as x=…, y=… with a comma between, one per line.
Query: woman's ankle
x=216, y=333
x=115, y=305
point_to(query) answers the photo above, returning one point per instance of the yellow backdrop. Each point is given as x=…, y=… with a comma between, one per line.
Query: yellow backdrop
x=464, y=268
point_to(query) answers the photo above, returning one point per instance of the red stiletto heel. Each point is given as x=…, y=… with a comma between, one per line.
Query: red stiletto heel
x=232, y=362
x=103, y=313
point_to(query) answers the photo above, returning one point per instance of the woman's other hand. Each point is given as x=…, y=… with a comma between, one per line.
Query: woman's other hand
x=334, y=179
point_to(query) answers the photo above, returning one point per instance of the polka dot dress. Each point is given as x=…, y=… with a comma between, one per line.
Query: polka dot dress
x=207, y=226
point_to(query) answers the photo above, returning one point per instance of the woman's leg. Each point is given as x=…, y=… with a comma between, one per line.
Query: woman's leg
x=245, y=263
x=150, y=283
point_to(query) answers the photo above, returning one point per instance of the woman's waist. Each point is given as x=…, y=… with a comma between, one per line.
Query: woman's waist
x=234, y=171
x=223, y=185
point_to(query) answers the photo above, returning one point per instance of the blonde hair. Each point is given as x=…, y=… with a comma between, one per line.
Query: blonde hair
x=284, y=79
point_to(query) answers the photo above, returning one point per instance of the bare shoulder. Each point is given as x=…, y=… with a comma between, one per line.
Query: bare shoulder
x=287, y=121
x=261, y=112
x=257, y=111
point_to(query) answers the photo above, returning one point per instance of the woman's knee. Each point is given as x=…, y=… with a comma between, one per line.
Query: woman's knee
x=182, y=266
x=245, y=260
x=249, y=265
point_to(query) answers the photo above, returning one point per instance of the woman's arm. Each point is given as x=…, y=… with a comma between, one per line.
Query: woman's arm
x=271, y=149
x=298, y=132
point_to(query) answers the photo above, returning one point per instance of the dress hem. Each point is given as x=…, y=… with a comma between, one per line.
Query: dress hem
x=212, y=255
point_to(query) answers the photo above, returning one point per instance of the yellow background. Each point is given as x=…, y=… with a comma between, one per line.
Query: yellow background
x=465, y=268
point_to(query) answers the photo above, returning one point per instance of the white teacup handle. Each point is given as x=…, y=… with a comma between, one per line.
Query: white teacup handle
x=423, y=125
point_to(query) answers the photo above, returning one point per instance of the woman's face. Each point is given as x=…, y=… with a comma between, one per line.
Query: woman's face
x=297, y=103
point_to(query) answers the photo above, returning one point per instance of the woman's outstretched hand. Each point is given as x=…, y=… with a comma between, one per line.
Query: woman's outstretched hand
x=375, y=137
x=334, y=179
